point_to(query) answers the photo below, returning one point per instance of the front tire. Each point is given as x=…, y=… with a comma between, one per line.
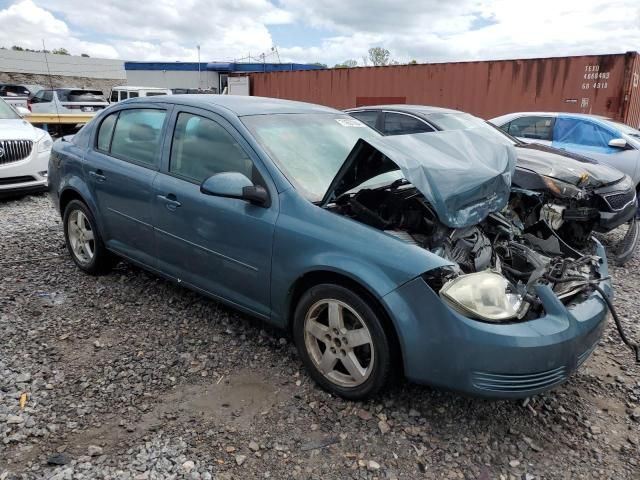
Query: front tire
x=83, y=239
x=342, y=342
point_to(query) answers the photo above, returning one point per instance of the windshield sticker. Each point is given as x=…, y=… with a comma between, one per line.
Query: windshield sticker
x=349, y=122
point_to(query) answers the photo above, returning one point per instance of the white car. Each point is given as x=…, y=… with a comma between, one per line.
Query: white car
x=118, y=94
x=24, y=154
x=68, y=100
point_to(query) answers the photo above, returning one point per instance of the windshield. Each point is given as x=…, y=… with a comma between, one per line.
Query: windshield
x=623, y=127
x=6, y=112
x=309, y=148
x=465, y=121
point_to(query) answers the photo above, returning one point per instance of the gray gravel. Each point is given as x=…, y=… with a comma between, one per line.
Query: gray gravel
x=127, y=376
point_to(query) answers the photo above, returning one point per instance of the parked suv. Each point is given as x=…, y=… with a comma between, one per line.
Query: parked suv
x=24, y=154
x=118, y=94
x=68, y=100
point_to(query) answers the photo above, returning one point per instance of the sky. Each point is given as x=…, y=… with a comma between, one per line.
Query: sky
x=325, y=31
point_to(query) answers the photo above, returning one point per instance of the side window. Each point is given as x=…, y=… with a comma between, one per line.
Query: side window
x=202, y=147
x=123, y=95
x=399, y=124
x=538, y=128
x=47, y=96
x=136, y=136
x=114, y=96
x=106, y=131
x=369, y=117
x=581, y=132
x=133, y=94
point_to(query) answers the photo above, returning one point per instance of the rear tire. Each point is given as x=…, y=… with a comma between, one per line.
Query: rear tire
x=84, y=241
x=342, y=342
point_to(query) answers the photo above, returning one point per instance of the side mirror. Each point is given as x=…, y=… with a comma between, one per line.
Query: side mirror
x=23, y=112
x=235, y=185
x=618, y=143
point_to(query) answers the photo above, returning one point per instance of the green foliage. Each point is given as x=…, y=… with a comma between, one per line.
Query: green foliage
x=379, y=56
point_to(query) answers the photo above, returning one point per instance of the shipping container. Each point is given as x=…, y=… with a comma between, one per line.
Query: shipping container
x=598, y=84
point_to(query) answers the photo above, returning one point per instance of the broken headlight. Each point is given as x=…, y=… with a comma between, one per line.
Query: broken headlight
x=483, y=295
x=563, y=189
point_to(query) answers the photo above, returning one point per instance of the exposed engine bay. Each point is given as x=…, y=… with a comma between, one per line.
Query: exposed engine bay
x=524, y=255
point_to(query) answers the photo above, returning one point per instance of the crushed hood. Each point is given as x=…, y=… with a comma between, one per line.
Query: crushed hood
x=565, y=166
x=462, y=174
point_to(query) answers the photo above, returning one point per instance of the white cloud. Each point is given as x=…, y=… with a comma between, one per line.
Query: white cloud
x=26, y=24
x=427, y=30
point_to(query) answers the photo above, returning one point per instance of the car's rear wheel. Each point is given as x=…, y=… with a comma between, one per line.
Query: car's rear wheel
x=342, y=341
x=83, y=239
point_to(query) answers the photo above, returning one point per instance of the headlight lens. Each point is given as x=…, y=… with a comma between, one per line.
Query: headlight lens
x=45, y=143
x=563, y=189
x=484, y=295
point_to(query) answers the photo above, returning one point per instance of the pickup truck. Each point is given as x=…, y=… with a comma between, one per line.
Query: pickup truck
x=17, y=95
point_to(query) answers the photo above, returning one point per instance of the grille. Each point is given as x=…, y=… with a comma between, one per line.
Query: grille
x=619, y=200
x=14, y=150
x=516, y=383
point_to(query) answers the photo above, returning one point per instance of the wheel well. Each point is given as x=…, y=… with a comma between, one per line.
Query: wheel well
x=66, y=197
x=312, y=279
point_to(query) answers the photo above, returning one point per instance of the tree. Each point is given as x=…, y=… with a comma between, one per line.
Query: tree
x=413, y=62
x=60, y=51
x=379, y=56
x=347, y=64
x=321, y=65
x=17, y=48
x=84, y=55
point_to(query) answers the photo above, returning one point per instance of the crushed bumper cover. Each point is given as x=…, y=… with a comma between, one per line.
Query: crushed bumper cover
x=443, y=348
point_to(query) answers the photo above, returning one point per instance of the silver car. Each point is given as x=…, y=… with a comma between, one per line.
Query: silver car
x=599, y=138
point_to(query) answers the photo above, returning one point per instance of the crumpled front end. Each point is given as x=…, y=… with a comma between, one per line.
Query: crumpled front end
x=463, y=175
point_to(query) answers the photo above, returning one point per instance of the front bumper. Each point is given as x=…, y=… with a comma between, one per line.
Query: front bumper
x=443, y=348
x=25, y=176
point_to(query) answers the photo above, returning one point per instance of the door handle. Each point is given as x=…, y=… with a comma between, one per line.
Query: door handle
x=98, y=176
x=170, y=201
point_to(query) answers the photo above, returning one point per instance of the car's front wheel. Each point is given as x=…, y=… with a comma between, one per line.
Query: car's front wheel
x=83, y=239
x=342, y=341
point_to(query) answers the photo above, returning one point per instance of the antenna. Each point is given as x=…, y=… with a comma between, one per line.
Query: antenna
x=55, y=104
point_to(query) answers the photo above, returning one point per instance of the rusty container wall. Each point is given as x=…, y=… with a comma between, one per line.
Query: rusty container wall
x=632, y=92
x=597, y=84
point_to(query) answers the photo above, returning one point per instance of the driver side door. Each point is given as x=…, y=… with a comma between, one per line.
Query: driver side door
x=220, y=246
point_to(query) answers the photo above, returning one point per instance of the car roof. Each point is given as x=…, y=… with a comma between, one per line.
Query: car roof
x=415, y=109
x=240, y=105
x=556, y=114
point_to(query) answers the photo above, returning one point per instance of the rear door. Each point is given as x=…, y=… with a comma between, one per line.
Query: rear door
x=121, y=165
x=221, y=246
x=591, y=139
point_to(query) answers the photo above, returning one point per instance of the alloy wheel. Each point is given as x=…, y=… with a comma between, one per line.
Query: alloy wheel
x=339, y=343
x=81, y=236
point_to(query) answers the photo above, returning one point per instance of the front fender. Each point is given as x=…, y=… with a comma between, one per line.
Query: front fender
x=312, y=239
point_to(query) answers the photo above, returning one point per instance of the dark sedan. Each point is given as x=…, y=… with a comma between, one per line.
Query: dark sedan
x=577, y=195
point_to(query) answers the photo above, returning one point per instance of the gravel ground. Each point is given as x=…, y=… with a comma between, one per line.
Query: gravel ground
x=128, y=376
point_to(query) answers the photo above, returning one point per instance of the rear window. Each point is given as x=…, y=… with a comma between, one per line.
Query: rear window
x=80, y=96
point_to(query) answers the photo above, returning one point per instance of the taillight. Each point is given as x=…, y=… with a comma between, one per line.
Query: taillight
x=29, y=104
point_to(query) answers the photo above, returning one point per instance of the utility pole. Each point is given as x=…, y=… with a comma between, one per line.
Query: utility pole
x=199, y=72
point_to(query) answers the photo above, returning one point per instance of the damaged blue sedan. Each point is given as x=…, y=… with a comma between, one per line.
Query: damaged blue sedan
x=383, y=256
